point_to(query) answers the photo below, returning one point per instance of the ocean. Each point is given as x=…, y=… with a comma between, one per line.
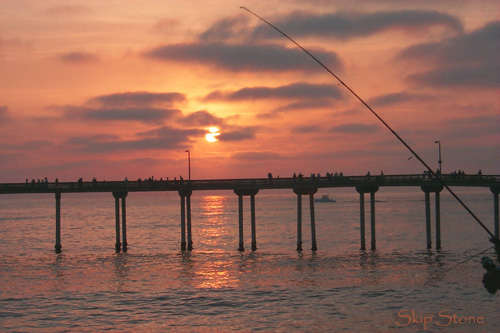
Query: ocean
x=156, y=287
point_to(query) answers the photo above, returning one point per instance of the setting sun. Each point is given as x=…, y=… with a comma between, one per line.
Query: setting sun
x=213, y=134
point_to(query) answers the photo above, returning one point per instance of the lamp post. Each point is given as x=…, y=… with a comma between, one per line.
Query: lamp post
x=189, y=164
x=439, y=160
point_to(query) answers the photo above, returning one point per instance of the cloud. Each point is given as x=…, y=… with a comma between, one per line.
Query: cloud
x=396, y=98
x=243, y=57
x=201, y=118
x=227, y=28
x=163, y=138
x=237, y=133
x=78, y=57
x=470, y=59
x=306, y=129
x=355, y=128
x=291, y=91
x=350, y=25
x=145, y=115
x=137, y=99
x=140, y=106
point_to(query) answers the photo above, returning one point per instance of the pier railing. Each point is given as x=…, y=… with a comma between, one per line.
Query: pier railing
x=250, y=183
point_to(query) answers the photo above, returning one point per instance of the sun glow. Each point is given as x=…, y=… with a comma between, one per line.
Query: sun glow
x=213, y=135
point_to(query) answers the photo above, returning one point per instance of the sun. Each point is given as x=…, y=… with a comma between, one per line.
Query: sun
x=213, y=135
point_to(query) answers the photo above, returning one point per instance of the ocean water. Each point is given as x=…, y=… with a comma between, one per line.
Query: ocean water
x=155, y=287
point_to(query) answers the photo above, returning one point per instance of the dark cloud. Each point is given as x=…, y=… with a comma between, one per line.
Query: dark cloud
x=141, y=106
x=468, y=60
x=145, y=115
x=320, y=103
x=243, y=57
x=227, y=28
x=396, y=98
x=78, y=57
x=28, y=145
x=201, y=118
x=163, y=138
x=137, y=99
x=352, y=24
x=291, y=91
x=306, y=129
x=237, y=133
x=354, y=128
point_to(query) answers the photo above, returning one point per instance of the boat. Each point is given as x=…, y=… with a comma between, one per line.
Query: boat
x=324, y=198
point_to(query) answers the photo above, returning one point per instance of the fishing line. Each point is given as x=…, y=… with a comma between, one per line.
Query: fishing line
x=460, y=263
x=429, y=170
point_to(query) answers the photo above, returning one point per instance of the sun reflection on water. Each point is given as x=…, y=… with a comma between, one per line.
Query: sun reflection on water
x=214, y=222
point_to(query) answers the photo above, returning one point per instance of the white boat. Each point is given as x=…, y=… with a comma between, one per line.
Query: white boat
x=324, y=198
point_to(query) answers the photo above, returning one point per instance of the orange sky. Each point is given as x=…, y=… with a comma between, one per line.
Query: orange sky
x=114, y=89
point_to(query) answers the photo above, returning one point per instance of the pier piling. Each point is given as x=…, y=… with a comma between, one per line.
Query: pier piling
x=252, y=216
x=435, y=188
x=118, y=244
x=252, y=193
x=496, y=213
x=241, y=248
x=300, y=191
x=58, y=245
x=299, y=222
x=186, y=211
x=372, y=189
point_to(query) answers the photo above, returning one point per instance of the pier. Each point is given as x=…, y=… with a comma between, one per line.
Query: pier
x=301, y=186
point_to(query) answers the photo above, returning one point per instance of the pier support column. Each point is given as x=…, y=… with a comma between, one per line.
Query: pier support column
x=362, y=219
x=300, y=192
x=252, y=193
x=58, y=245
x=438, y=220
x=299, y=222
x=372, y=189
x=436, y=189
x=372, y=220
x=118, y=244
x=186, y=210
x=188, y=225
x=496, y=213
x=241, y=247
x=428, y=220
x=313, y=223
x=252, y=217
x=124, y=225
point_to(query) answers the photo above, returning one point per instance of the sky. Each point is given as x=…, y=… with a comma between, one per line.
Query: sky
x=114, y=89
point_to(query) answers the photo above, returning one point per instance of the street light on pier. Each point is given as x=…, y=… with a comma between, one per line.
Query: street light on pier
x=189, y=164
x=439, y=160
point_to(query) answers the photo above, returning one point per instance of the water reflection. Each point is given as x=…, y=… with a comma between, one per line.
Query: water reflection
x=209, y=270
x=214, y=222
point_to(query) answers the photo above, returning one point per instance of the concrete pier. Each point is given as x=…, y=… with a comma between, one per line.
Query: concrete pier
x=300, y=191
x=372, y=189
x=436, y=189
x=58, y=245
x=118, y=244
x=252, y=193
x=251, y=186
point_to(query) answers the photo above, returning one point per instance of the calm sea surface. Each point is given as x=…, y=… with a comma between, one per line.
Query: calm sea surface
x=155, y=287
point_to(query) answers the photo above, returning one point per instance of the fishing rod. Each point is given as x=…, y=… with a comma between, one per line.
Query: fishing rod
x=493, y=239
